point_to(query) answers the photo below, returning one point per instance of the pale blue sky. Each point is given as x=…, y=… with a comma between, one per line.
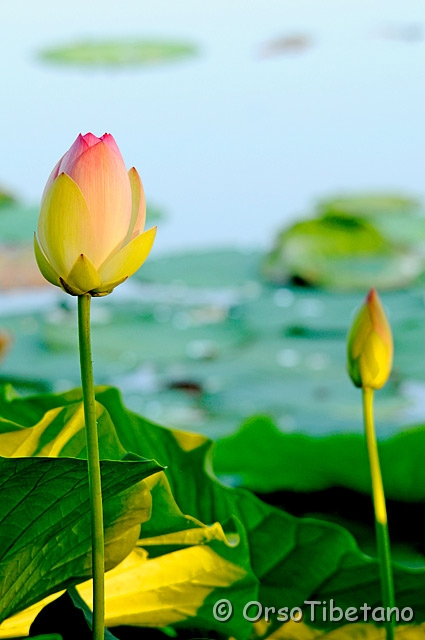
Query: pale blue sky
x=230, y=144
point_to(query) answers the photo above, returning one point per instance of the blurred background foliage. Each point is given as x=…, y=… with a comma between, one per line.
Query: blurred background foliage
x=204, y=340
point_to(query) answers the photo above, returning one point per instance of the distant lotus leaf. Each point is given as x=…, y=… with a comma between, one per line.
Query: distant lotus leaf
x=118, y=53
x=369, y=205
x=400, y=219
x=341, y=252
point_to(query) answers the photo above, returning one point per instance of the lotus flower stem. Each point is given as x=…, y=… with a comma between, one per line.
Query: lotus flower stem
x=381, y=524
x=96, y=510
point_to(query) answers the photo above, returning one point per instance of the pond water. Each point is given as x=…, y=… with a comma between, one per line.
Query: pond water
x=245, y=136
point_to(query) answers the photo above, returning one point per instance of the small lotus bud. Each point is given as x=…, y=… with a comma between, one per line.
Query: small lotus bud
x=370, y=345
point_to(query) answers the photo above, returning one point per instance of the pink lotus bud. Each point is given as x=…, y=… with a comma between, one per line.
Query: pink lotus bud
x=370, y=345
x=90, y=228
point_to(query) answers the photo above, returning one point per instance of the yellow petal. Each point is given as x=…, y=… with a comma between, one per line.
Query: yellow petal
x=138, y=212
x=83, y=276
x=65, y=229
x=103, y=290
x=128, y=260
x=375, y=362
x=44, y=265
x=68, y=289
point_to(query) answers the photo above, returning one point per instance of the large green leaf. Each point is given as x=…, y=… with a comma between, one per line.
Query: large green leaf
x=205, y=559
x=45, y=523
x=293, y=559
x=53, y=426
x=260, y=553
x=264, y=459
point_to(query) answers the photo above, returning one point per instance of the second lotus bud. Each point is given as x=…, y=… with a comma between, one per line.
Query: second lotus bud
x=370, y=345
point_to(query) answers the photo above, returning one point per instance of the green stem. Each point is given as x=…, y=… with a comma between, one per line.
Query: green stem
x=381, y=525
x=96, y=510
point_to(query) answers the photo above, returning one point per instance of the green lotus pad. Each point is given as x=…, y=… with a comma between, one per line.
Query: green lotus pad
x=372, y=240
x=369, y=205
x=119, y=53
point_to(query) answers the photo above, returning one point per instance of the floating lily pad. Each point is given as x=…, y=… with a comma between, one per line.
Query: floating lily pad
x=117, y=53
x=205, y=343
x=341, y=252
x=369, y=205
x=356, y=242
x=219, y=268
x=400, y=219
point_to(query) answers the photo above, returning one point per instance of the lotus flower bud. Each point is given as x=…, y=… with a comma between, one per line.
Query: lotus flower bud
x=90, y=228
x=370, y=345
